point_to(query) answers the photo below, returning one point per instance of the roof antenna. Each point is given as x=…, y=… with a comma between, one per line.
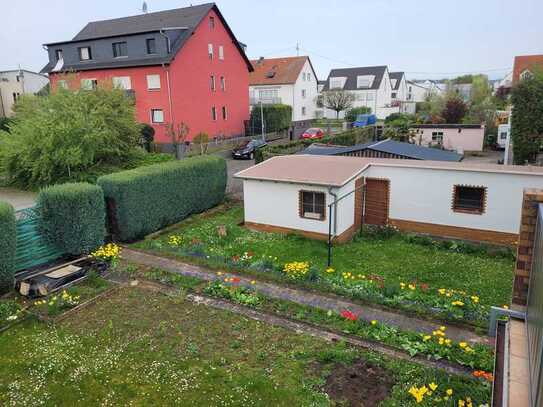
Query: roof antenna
x=297, y=49
x=144, y=7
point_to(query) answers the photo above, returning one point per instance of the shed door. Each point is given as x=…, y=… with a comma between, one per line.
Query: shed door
x=376, y=201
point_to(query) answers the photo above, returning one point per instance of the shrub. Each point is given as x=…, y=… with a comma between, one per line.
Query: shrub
x=147, y=133
x=352, y=113
x=146, y=199
x=8, y=243
x=73, y=216
x=276, y=117
x=60, y=138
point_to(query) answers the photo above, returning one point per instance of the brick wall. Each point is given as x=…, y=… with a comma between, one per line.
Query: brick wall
x=523, y=266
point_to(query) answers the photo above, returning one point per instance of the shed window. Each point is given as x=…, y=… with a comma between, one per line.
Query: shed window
x=469, y=199
x=312, y=205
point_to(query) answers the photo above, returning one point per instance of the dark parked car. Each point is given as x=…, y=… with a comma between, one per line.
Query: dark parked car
x=313, y=133
x=247, y=149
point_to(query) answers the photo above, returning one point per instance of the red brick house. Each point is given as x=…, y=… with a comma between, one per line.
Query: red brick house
x=181, y=65
x=526, y=65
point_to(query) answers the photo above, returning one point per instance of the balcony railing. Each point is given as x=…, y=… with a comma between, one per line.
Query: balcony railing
x=265, y=101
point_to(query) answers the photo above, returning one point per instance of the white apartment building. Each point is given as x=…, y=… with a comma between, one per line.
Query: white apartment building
x=15, y=83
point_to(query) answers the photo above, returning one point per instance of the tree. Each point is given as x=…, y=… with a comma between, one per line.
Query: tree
x=147, y=136
x=178, y=135
x=201, y=139
x=338, y=100
x=353, y=112
x=67, y=135
x=454, y=111
x=398, y=126
x=527, y=118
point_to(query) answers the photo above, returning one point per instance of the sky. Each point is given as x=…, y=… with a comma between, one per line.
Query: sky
x=424, y=38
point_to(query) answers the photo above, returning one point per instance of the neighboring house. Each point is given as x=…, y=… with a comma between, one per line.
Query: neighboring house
x=385, y=149
x=420, y=90
x=289, y=80
x=18, y=82
x=463, y=90
x=476, y=202
x=398, y=83
x=181, y=65
x=370, y=85
x=457, y=137
x=525, y=66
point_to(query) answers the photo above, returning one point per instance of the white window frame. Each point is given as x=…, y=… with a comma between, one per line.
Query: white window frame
x=210, y=51
x=221, y=52
x=364, y=81
x=337, y=80
x=92, y=81
x=370, y=96
x=81, y=53
x=212, y=83
x=153, y=111
x=153, y=82
x=122, y=82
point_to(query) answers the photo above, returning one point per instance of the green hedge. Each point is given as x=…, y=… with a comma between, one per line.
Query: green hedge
x=346, y=138
x=73, y=216
x=8, y=244
x=276, y=117
x=146, y=199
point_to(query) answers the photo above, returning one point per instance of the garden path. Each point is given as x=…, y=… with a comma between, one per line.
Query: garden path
x=307, y=298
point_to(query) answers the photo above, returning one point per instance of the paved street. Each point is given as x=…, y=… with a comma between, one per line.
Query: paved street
x=17, y=198
x=235, y=186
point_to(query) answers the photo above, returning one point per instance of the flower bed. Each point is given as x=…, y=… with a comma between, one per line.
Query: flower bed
x=452, y=281
x=10, y=312
x=436, y=346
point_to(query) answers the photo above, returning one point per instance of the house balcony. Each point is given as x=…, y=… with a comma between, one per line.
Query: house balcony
x=265, y=101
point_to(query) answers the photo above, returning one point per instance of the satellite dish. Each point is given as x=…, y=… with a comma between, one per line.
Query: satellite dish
x=144, y=7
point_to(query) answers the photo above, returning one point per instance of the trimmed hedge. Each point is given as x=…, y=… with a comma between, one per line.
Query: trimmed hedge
x=73, y=216
x=146, y=199
x=276, y=118
x=8, y=245
x=346, y=138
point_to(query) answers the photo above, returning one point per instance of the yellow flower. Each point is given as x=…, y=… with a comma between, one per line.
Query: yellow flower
x=462, y=344
x=458, y=303
x=442, y=291
x=461, y=403
x=330, y=270
x=426, y=338
x=374, y=322
x=220, y=273
x=442, y=328
x=402, y=285
x=505, y=306
x=433, y=386
x=253, y=282
x=411, y=286
x=449, y=392
x=475, y=299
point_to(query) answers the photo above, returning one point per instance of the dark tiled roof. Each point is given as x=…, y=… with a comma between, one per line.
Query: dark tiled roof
x=188, y=17
x=407, y=150
x=398, y=76
x=352, y=73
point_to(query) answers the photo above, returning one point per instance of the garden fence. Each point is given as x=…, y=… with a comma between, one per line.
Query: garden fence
x=534, y=316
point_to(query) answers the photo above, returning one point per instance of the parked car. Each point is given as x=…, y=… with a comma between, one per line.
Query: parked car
x=313, y=133
x=247, y=149
x=363, y=120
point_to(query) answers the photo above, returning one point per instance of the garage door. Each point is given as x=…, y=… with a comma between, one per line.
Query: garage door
x=376, y=202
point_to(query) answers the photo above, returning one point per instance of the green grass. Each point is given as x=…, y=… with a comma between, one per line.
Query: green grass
x=394, y=258
x=140, y=347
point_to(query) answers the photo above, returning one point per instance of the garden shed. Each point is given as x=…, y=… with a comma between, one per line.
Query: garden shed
x=298, y=193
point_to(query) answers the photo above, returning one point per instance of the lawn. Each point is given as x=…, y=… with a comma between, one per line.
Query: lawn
x=473, y=273
x=140, y=347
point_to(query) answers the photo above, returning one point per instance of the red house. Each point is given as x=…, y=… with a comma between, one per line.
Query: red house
x=181, y=65
x=525, y=66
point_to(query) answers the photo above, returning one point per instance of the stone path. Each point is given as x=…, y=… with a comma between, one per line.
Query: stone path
x=303, y=297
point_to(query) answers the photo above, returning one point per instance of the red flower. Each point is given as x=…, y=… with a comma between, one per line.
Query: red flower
x=349, y=315
x=424, y=287
x=235, y=258
x=235, y=280
x=250, y=254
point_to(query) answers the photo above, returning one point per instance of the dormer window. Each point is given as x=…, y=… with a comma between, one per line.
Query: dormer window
x=337, y=83
x=364, y=81
x=120, y=49
x=58, y=54
x=85, y=53
x=393, y=83
x=151, y=45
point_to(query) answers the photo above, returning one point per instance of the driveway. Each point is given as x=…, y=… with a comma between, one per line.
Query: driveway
x=235, y=186
x=17, y=198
